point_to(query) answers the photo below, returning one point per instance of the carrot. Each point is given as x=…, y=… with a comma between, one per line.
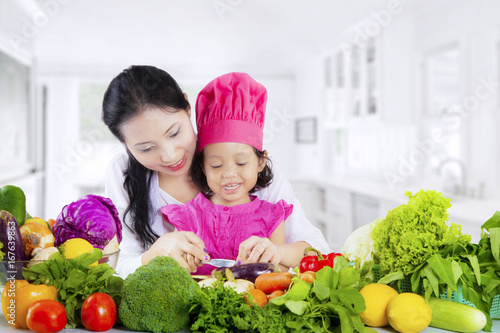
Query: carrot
x=258, y=297
x=269, y=282
x=275, y=294
x=308, y=276
x=51, y=222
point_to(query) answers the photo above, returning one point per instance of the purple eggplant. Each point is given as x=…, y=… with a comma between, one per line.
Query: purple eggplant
x=13, y=248
x=247, y=271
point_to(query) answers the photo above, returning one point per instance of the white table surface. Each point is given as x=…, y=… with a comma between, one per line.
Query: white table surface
x=6, y=328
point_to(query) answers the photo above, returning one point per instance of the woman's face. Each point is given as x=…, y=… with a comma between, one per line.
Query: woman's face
x=161, y=141
x=231, y=170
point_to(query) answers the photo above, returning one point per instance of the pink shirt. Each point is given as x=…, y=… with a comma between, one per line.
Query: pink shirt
x=222, y=228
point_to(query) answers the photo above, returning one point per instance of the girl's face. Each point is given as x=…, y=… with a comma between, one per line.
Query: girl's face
x=231, y=170
x=161, y=141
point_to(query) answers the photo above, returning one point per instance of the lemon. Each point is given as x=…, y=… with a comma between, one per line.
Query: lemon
x=377, y=296
x=74, y=247
x=409, y=313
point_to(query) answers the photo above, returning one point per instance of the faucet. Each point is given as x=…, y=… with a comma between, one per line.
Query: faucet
x=461, y=188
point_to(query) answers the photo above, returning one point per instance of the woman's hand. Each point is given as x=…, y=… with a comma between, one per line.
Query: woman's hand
x=183, y=246
x=256, y=249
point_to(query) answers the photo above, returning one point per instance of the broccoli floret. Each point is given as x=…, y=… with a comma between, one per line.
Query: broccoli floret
x=157, y=296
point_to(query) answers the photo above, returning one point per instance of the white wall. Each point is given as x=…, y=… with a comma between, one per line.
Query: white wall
x=16, y=41
x=404, y=41
x=279, y=124
x=307, y=157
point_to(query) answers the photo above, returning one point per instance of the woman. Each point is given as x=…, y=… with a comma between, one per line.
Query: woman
x=147, y=111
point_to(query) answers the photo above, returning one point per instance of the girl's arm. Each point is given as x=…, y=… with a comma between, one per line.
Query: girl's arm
x=289, y=253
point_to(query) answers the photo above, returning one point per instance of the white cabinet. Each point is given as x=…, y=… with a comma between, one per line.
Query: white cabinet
x=337, y=216
x=307, y=194
x=328, y=208
x=365, y=209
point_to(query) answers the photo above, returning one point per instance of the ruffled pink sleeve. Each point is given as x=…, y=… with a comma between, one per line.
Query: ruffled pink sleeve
x=176, y=215
x=280, y=213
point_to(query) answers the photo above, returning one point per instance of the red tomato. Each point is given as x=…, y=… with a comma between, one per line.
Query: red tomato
x=46, y=316
x=98, y=312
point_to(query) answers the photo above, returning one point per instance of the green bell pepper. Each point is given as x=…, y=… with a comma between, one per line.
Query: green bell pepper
x=13, y=200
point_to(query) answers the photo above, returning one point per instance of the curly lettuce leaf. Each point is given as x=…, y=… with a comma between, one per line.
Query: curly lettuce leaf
x=412, y=233
x=1, y=253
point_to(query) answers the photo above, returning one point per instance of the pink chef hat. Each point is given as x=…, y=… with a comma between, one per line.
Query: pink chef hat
x=231, y=108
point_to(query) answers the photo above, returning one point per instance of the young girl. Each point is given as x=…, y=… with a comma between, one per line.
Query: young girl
x=231, y=165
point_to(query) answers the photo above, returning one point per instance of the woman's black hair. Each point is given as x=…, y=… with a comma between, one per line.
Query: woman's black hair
x=134, y=90
x=264, y=178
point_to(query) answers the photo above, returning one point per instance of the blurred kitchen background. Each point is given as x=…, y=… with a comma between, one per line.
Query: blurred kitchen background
x=367, y=98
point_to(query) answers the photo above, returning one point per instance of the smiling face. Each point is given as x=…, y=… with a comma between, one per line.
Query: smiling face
x=161, y=141
x=231, y=170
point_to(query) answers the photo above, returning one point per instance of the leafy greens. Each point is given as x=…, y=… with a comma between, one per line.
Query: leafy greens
x=75, y=280
x=412, y=233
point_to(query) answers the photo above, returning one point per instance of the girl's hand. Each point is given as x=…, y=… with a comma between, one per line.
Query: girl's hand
x=183, y=246
x=256, y=249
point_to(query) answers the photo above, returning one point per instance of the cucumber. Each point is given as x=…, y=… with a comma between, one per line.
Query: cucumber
x=10, y=237
x=454, y=316
x=247, y=271
x=13, y=200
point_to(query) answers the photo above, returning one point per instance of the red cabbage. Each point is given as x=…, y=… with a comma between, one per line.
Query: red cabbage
x=92, y=217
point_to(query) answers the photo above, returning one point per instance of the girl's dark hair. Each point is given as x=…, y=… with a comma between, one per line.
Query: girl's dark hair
x=264, y=178
x=134, y=90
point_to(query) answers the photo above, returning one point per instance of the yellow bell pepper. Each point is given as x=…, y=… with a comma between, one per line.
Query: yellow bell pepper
x=18, y=295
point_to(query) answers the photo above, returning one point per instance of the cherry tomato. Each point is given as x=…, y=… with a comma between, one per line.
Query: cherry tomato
x=308, y=276
x=98, y=312
x=46, y=316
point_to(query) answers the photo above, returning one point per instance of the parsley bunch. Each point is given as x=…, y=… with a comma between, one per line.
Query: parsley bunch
x=221, y=309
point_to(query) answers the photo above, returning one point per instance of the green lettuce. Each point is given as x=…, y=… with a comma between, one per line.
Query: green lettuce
x=1, y=253
x=412, y=233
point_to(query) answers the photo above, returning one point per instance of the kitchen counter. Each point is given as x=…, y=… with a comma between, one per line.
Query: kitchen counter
x=6, y=328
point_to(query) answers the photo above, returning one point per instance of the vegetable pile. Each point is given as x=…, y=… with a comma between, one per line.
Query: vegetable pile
x=328, y=301
x=471, y=269
x=414, y=246
x=75, y=281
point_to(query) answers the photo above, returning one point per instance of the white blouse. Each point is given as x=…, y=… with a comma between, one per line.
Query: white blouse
x=297, y=226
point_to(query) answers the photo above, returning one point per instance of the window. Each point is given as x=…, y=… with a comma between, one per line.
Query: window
x=442, y=97
x=90, y=97
x=17, y=149
x=96, y=145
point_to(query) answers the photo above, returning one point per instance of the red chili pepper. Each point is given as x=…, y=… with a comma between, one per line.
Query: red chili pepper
x=316, y=262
